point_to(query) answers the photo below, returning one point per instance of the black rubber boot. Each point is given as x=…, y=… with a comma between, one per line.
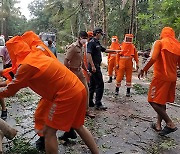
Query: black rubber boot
x=128, y=92
x=117, y=91
x=71, y=134
x=110, y=79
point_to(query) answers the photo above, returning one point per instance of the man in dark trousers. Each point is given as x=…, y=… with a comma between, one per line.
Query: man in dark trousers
x=94, y=50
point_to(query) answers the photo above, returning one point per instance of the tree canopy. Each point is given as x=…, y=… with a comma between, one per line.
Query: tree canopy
x=143, y=18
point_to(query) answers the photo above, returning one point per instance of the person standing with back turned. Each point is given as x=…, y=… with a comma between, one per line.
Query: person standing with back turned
x=165, y=55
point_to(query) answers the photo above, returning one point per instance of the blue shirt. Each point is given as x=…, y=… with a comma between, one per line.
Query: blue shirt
x=53, y=49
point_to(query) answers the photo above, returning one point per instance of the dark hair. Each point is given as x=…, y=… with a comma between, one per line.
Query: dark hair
x=83, y=34
x=97, y=31
x=49, y=42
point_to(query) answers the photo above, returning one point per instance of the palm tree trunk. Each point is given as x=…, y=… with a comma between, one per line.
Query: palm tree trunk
x=131, y=29
x=104, y=21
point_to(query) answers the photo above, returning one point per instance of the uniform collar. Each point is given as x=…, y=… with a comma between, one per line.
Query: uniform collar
x=78, y=44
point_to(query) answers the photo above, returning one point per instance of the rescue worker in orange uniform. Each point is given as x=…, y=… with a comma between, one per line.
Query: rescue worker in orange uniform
x=124, y=63
x=115, y=45
x=165, y=56
x=67, y=94
x=33, y=41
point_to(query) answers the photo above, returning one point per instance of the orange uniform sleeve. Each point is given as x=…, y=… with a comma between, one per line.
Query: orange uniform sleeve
x=24, y=74
x=117, y=58
x=155, y=51
x=6, y=74
x=136, y=57
x=108, y=56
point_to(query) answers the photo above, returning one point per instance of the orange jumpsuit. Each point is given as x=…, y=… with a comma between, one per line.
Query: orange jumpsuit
x=86, y=64
x=165, y=55
x=51, y=80
x=90, y=35
x=124, y=61
x=112, y=56
x=34, y=42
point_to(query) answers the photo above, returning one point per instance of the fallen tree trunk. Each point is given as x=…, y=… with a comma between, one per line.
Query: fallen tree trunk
x=7, y=131
x=1, y=137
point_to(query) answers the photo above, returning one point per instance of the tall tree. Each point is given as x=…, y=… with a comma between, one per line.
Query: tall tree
x=10, y=18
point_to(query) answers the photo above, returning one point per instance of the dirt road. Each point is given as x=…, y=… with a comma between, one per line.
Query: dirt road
x=123, y=128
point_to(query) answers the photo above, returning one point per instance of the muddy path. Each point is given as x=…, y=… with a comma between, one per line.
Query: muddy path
x=123, y=128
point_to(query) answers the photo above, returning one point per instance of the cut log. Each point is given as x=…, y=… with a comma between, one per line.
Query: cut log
x=8, y=131
x=1, y=137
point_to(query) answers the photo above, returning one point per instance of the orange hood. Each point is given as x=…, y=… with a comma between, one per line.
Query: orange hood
x=90, y=33
x=169, y=42
x=20, y=51
x=33, y=40
x=128, y=38
x=115, y=45
x=129, y=35
x=17, y=49
x=127, y=47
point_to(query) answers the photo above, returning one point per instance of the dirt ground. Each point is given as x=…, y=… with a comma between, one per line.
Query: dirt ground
x=123, y=128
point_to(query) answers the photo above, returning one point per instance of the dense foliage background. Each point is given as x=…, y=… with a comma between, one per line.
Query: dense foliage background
x=143, y=18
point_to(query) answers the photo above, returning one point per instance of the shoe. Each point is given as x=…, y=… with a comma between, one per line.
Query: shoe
x=40, y=144
x=128, y=95
x=4, y=115
x=153, y=126
x=101, y=107
x=167, y=130
x=91, y=104
x=110, y=80
x=71, y=134
x=116, y=93
x=128, y=92
x=89, y=114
